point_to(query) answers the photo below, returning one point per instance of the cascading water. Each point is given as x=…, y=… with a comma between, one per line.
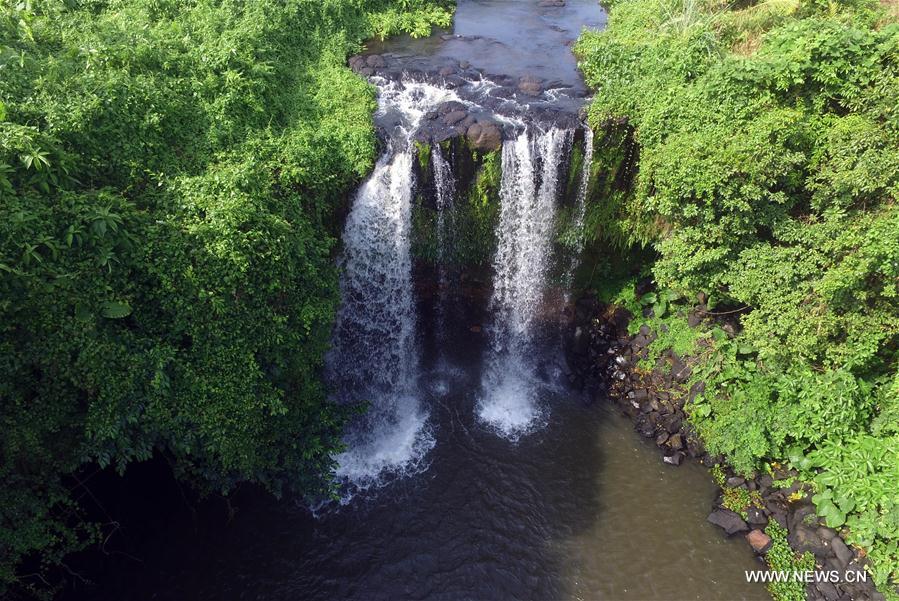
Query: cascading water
x=445, y=188
x=374, y=354
x=580, y=211
x=529, y=190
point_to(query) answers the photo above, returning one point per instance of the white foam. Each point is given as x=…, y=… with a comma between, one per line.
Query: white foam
x=528, y=194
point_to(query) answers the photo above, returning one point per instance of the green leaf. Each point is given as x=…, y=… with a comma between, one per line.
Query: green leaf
x=116, y=310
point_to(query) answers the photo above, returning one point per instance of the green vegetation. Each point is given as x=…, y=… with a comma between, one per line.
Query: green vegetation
x=471, y=221
x=169, y=175
x=781, y=558
x=768, y=138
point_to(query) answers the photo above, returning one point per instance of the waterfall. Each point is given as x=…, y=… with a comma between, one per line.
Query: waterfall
x=581, y=206
x=528, y=192
x=374, y=350
x=445, y=186
x=580, y=211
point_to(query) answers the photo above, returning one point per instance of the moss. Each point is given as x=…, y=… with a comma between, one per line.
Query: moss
x=471, y=222
x=423, y=151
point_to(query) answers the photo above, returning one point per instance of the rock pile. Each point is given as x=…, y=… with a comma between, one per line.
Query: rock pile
x=603, y=358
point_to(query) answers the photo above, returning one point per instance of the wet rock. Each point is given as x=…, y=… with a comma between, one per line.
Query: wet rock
x=366, y=71
x=802, y=539
x=728, y=520
x=735, y=481
x=376, y=61
x=676, y=442
x=828, y=591
x=551, y=3
x=826, y=534
x=661, y=439
x=842, y=552
x=756, y=517
x=672, y=423
x=454, y=117
x=800, y=515
x=675, y=459
x=530, y=85
x=448, y=70
x=485, y=136
x=758, y=540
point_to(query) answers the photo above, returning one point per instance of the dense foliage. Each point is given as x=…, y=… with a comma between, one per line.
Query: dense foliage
x=169, y=175
x=768, y=179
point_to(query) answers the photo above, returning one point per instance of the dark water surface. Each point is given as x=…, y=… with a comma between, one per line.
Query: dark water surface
x=580, y=509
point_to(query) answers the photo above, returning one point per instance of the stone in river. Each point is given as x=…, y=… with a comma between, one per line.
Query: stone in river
x=759, y=541
x=728, y=520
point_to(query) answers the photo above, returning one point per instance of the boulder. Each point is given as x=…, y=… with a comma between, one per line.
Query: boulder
x=676, y=442
x=728, y=520
x=530, y=85
x=756, y=517
x=828, y=591
x=675, y=459
x=485, y=136
x=454, y=117
x=758, y=540
x=376, y=61
x=802, y=539
x=843, y=553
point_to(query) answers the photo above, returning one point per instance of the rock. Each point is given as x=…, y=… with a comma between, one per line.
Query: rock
x=530, y=85
x=728, y=520
x=803, y=515
x=672, y=423
x=454, y=117
x=696, y=389
x=448, y=70
x=702, y=297
x=485, y=136
x=475, y=329
x=844, y=554
x=675, y=459
x=366, y=71
x=464, y=64
x=645, y=330
x=828, y=591
x=694, y=319
x=735, y=481
x=550, y=3
x=802, y=539
x=676, y=442
x=826, y=534
x=661, y=439
x=758, y=540
x=375, y=61
x=756, y=517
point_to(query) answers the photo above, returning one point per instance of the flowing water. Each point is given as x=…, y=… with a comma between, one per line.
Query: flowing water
x=475, y=474
x=529, y=195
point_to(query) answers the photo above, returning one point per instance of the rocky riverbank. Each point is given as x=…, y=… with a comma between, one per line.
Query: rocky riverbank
x=603, y=359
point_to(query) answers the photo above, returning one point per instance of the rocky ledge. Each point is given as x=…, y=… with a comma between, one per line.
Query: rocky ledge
x=492, y=107
x=603, y=360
